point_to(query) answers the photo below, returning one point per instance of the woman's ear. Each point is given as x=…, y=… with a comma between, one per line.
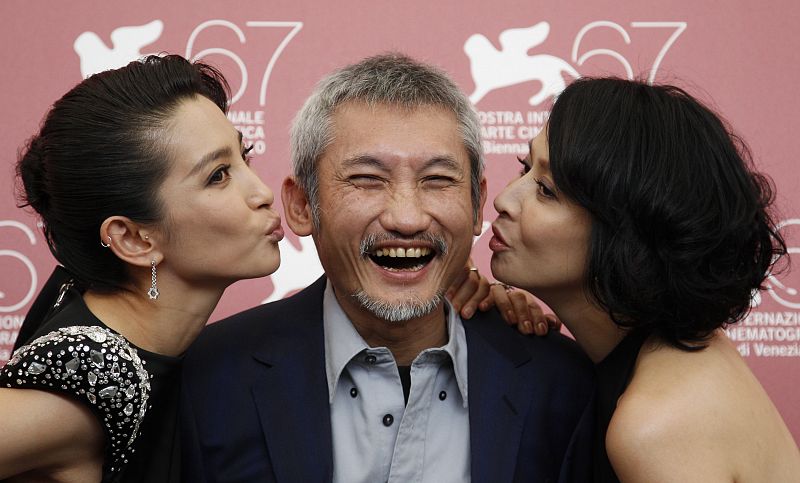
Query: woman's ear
x=130, y=241
x=296, y=207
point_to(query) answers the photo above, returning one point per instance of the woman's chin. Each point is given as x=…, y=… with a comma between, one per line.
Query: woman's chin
x=264, y=269
x=502, y=272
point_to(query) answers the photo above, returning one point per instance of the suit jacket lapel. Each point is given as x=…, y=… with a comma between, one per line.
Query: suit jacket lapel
x=497, y=402
x=291, y=391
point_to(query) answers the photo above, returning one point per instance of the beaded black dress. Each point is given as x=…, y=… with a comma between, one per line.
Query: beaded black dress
x=132, y=392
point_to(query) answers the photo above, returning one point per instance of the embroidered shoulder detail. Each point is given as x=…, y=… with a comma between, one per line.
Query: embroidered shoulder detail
x=96, y=366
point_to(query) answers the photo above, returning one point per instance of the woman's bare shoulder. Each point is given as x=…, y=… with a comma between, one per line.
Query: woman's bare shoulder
x=650, y=432
x=694, y=416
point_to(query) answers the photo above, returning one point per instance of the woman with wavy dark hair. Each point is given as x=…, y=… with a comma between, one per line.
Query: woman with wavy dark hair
x=639, y=220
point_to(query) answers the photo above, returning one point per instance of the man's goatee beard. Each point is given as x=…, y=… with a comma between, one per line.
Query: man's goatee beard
x=399, y=311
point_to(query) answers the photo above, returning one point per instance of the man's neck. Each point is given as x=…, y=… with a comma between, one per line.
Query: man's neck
x=405, y=339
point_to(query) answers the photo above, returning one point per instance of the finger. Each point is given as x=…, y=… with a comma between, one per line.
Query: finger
x=520, y=307
x=463, y=293
x=540, y=328
x=462, y=276
x=471, y=304
x=535, y=314
x=488, y=301
x=553, y=322
x=526, y=328
x=501, y=300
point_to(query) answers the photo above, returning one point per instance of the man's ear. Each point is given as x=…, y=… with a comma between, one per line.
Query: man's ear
x=478, y=226
x=130, y=241
x=296, y=207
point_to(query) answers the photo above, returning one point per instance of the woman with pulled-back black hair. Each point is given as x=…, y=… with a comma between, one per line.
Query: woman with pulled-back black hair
x=147, y=199
x=639, y=219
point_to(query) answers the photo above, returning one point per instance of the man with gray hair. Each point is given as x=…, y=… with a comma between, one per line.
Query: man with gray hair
x=368, y=374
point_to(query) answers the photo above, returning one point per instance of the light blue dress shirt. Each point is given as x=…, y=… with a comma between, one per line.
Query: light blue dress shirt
x=376, y=437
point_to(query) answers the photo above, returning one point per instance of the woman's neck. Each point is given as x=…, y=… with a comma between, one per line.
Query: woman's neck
x=165, y=326
x=591, y=326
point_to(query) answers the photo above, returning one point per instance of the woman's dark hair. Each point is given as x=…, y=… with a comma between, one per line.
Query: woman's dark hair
x=681, y=234
x=101, y=152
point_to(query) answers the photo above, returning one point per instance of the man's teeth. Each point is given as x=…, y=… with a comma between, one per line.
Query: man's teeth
x=402, y=252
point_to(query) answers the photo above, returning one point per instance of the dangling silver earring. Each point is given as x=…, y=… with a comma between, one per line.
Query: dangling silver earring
x=104, y=245
x=153, y=292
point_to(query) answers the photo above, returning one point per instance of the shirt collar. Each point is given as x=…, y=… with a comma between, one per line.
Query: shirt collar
x=343, y=343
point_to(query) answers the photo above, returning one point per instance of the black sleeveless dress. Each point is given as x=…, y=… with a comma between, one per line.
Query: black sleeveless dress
x=613, y=376
x=132, y=392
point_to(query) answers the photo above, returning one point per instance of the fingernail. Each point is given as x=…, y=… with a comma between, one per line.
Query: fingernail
x=468, y=312
x=483, y=306
x=541, y=328
x=528, y=326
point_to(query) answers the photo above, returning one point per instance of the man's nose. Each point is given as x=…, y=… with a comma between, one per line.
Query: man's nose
x=405, y=213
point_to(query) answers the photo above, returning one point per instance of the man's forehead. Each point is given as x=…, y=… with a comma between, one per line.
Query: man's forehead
x=356, y=110
x=385, y=134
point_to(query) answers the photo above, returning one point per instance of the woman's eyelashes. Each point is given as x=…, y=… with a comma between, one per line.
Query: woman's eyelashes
x=219, y=175
x=543, y=189
x=222, y=172
x=246, y=156
x=525, y=166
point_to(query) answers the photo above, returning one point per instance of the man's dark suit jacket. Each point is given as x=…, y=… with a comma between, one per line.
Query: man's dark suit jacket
x=255, y=399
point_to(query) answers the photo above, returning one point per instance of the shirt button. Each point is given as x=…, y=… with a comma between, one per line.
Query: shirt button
x=371, y=359
x=442, y=396
x=388, y=420
x=353, y=392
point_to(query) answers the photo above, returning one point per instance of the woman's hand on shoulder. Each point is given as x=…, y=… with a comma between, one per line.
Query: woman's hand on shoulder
x=471, y=291
x=46, y=431
x=467, y=290
x=521, y=309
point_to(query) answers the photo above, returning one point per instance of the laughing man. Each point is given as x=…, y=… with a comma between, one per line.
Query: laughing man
x=369, y=375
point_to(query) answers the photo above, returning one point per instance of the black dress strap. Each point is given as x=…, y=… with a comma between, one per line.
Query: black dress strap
x=613, y=376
